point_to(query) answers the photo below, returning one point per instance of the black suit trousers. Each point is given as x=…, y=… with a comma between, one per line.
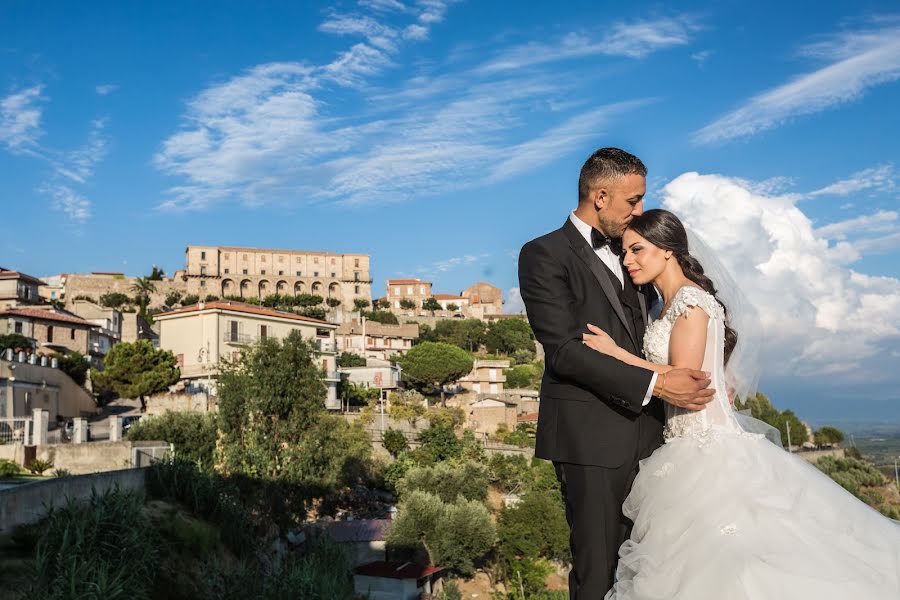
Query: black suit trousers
x=594, y=496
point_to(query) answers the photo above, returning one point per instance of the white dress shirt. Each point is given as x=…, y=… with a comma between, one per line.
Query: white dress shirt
x=612, y=261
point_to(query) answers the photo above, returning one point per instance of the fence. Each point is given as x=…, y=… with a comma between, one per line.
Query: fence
x=490, y=447
x=15, y=430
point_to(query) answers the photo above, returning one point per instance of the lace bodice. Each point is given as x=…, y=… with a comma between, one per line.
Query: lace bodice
x=682, y=422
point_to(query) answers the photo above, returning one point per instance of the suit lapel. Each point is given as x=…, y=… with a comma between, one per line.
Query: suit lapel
x=584, y=251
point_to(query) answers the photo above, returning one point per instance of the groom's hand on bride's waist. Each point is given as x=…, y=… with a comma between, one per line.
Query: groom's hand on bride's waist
x=685, y=388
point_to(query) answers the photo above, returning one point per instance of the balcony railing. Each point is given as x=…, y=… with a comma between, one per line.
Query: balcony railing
x=231, y=337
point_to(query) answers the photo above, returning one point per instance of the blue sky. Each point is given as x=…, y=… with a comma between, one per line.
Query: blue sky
x=440, y=136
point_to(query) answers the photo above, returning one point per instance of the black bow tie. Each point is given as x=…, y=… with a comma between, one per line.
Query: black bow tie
x=598, y=240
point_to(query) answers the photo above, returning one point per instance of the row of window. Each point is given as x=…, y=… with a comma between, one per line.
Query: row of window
x=409, y=290
x=18, y=328
x=225, y=256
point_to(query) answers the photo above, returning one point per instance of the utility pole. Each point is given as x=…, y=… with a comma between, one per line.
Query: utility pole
x=788, y=423
x=896, y=474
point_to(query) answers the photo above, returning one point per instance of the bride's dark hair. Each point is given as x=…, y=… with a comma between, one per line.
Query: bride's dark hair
x=664, y=230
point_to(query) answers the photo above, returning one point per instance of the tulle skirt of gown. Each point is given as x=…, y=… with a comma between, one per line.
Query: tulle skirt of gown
x=736, y=517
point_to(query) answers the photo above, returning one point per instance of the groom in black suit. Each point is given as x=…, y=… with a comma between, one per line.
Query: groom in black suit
x=598, y=416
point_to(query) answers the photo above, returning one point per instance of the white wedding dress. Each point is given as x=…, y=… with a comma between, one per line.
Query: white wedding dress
x=723, y=514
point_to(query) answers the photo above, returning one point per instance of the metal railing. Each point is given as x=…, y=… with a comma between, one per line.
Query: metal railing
x=239, y=338
x=14, y=430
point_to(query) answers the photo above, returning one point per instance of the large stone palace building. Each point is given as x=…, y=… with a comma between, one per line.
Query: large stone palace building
x=257, y=273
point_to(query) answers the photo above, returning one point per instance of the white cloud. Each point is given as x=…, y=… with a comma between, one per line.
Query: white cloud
x=881, y=222
x=633, y=40
x=106, y=89
x=75, y=206
x=702, y=56
x=820, y=316
x=20, y=119
x=860, y=60
x=514, y=304
x=881, y=179
x=79, y=165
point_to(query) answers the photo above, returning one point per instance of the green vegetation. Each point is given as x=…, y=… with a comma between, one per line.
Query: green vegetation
x=143, y=287
x=98, y=549
x=14, y=341
x=468, y=479
x=826, y=436
x=761, y=408
x=394, y=442
x=384, y=317
x=136, y=370
x=348, y=359
x=525, y=376
x=75, y=365
x=431, y=304
x=468, y=334
x=193, y=434
x=38, y=466
x=333, y=302
x=407, y=304
x=114, y=300
x=431, y=365
x=506, y=336
x=8, y=468
x=360, y=303
x=156, y=274
x=407, y=405
x=382, y=304
x=190, y=299
x=174, y=297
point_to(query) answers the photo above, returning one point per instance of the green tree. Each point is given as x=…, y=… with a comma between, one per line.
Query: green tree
x=114, y=299
x=506, y=336
x=455, y=535
x=381, y=316
x=14, y=340
x=332, y=302
x=440, y=443
x=174, y=297
x=211, y=298
x=136, y=370
x=788, y=421
x=468, y=479
x=156, y=274
x=308, y=300
x=523, y=376
x=828, y=435
x=394, y=442
x=75, y=365
x=360, y=303
x=407, y=304
x=468, y=334
x=382, y=304
x=431, y=304
x=348, y=359
x=407, y=405
x=274, y=424
x=432, y=365
x=453, y=306
x=191, y=299
x=193, y=434
x=142, y=288
x=313, y=312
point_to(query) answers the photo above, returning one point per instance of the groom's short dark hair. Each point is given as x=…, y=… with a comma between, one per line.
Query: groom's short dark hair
x=607, y=163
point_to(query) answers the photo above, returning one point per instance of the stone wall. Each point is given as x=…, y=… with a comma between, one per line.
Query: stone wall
x=181, y=402
x=94, y=457
x=29, y=502
x=95, y=285
x=811, y=456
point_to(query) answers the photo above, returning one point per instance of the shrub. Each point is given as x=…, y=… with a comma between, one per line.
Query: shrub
x=381, y=316
x=348, y=359
x=38, y=466
x=190, y=299
x=95, y=549
x=8, y=468
x=75, y=365
x=395, y=442
x=455, y=535
x=447, y=482
x=440, y=442
x=193, y=434
x=114, y=299
x=333, y=302
x=174, y=297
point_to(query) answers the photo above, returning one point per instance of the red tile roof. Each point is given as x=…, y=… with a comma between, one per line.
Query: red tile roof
x=7, y=274
x=46, y=315
x=405, y=571
x=527, y=417
x=241, y=307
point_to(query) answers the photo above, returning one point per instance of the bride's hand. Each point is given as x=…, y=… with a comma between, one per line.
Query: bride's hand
x=600, y=341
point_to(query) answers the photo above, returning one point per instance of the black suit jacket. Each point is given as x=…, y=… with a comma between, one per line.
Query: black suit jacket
x=591, y=409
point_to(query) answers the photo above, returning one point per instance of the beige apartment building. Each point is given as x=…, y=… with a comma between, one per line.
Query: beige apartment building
x=18, y=289
x=415, y=290
x=483, y=299
x=204, y=335
x=257, y=273
x=375, y=340
x=49, y=330
x=487, y=377
x=448, y=300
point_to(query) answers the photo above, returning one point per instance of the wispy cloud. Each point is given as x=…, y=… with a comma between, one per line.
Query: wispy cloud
x=271, y=134
x=106, y=89
x=66, y=200
x=881, y=178
x=859, y=60
x=634, y=40
x=884, y=221
x=702, y=56
x=20, y=119
x=79, y=165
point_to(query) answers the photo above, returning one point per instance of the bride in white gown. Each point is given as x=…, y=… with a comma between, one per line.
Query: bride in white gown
x=719, y=512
